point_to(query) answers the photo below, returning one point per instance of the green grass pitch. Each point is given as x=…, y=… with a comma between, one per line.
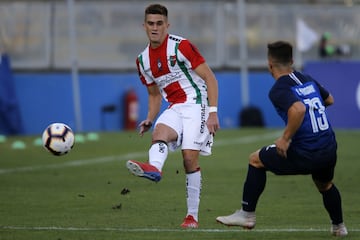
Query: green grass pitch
x=89, y=193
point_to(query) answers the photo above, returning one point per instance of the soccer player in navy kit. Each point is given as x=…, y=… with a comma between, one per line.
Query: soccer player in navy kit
x=307, y=146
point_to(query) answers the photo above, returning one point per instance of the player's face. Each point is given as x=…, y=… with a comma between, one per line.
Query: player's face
x=156, y=27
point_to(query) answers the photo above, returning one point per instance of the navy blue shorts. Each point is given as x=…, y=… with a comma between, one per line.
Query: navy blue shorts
x=320, y=164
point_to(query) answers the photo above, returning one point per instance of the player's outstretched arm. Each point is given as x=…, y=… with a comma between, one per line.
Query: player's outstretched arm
x=204, y=71
x=144, y=126
x=154, y=104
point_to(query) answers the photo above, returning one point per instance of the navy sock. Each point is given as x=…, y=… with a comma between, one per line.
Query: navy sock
x=332, y=203
x=253, y=187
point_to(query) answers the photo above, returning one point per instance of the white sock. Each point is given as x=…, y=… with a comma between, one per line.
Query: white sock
x=193, y=189
x=158, y=153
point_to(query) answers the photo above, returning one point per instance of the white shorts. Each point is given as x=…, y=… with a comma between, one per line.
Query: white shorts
x=189, y=121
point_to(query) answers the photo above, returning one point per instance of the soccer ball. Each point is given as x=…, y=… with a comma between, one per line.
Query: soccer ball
x=58, y=139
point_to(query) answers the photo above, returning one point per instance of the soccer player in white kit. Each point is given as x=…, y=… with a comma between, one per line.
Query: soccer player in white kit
x=172, y=68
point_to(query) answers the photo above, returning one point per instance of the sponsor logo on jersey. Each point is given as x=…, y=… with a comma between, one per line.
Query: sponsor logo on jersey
x=167, y=79
x=202, y=126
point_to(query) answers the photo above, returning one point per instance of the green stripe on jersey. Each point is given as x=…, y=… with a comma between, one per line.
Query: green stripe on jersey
x=187, y=74
x=140, y=58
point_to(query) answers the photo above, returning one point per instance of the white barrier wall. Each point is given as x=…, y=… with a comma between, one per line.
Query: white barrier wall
x=110, y=35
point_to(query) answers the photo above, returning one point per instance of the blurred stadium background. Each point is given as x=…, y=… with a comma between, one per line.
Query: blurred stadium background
x=47, y=40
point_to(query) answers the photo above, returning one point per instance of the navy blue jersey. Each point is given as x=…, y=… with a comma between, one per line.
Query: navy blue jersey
x=315, y=132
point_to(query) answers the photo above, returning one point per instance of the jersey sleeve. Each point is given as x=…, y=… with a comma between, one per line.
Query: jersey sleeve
x=282, y=97
x=192, y=56
x=323, y=91
x=142, y=75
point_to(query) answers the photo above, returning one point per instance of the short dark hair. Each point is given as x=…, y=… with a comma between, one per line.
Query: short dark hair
x=156, y=9
x=280, y=52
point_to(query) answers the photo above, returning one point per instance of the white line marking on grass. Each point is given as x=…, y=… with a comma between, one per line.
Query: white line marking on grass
x=75, y=163
x=247, y=139
x=82, y=162
x=205, y=230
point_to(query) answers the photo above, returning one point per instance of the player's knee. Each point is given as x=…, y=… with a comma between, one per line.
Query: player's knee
x=254, y=160
x=323, y=187
x=191, y=166
x=190, y=161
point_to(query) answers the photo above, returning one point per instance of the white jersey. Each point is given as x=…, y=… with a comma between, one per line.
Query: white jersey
x=170, y=67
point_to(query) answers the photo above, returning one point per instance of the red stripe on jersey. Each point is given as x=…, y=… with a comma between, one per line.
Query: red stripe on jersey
x=158, y=60
x=175, y=94
x=191, y=53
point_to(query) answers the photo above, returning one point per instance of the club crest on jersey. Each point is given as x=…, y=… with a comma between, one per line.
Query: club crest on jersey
x=159, y=65
x=172, y=60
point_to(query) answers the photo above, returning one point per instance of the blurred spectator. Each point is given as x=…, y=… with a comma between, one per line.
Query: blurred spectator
x=326, y=49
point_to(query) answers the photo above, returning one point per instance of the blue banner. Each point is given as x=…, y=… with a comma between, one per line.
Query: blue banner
x=10, y=119
x=342, y=79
